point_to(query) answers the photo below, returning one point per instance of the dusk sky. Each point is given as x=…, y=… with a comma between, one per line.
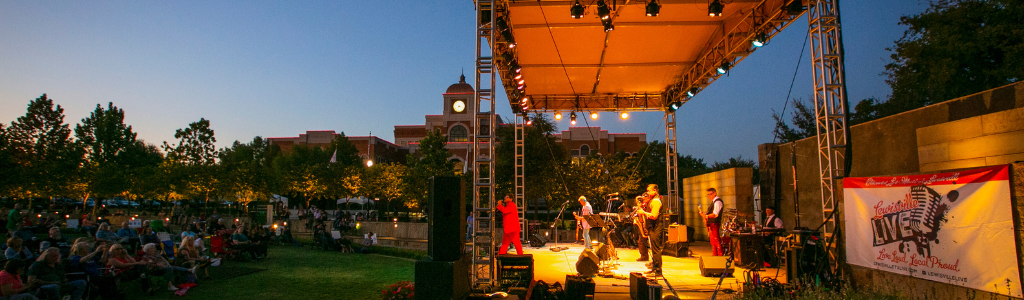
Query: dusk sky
x=279, y=68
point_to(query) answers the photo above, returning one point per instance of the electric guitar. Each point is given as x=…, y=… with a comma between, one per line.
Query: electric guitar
x=703, y=217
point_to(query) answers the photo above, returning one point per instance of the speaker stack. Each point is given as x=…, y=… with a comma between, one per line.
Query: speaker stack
x=445, y=275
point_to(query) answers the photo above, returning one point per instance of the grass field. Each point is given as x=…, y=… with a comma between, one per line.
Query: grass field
x=300, y=273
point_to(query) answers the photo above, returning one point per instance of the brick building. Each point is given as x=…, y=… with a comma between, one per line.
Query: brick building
x=456, y=123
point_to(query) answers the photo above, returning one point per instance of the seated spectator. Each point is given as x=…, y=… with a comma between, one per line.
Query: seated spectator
x=125, y=267
x=48, y=274
x=104, y=234
x=191, y=257
x=128, y=235
x=56, y=240
x=82, y=260
x=158, y=265
x=17, y=250
x=27, y=237
x=145, y=224
x=241, y=243
x=87, y=225
x=148, y=236
x=11, y=287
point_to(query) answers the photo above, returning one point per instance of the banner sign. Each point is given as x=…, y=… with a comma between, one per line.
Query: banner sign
x=955, y=228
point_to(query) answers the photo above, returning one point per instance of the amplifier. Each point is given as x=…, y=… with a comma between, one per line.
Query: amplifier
x=578, y=287
x=714, y=266
x=676, y=249
x=677, y=233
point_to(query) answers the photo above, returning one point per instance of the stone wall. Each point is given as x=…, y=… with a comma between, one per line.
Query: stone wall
x=734, y=187
x=935, y=138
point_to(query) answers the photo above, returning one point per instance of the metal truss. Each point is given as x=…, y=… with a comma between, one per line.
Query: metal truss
x=731, y=47
x=830, y=105
x=597, y=102
x=482, y=268
x=671, y=163
x=520, y=178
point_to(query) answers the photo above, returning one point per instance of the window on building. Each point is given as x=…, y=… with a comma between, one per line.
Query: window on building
x=458, y=134
x=584, y=150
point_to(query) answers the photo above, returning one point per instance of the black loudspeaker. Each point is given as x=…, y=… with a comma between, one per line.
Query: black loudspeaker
x=653, y=290
x=637, y=286
x=515, y=270
x=676, y=249
x=442, y=279
x=579, y=287
x=537, y=241
x=714, y=266
x=587, y=264
x=446, y=230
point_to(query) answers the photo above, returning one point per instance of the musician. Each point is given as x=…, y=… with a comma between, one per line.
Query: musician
x=713, y=221
x=641, y=241
x=586, y=211
x=510, y=225
x=772, y=222
x=653, y=214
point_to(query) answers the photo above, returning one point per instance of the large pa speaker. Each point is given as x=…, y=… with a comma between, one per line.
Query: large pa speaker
x=442, y=279
x=578, y=287
x=536, y=240
x=714, y=266
x=587, y=264
x=447, y=220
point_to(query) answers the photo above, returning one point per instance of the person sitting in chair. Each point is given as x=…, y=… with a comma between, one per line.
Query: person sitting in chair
x=11, y=287
x=48, y=274
x=158, y=265
x=56, y=240
x=128, y=235
x=104, y=234
x=191, y=257
x=17, y=250
x=241, y=242
x=125, y=268
x=82, y=260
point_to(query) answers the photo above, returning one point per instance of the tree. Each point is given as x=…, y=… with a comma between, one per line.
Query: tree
x=384, y=181
x=247, y=170
x=44, y=150
x=432, y=160
x=9, y=176
x=106, y=140
x=738, y=162
x=544, y=165
x=301, y=172
x=955, y=48
x=192, y=162
x=803, y=118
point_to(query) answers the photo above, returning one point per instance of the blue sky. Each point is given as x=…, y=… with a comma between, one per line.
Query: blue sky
x=278, y=68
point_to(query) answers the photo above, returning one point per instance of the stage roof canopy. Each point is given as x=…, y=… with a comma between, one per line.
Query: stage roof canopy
x=645, y=63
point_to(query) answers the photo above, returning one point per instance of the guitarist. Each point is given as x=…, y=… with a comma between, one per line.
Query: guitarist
x=653, y=214
x=586, y=211
x=713, y=221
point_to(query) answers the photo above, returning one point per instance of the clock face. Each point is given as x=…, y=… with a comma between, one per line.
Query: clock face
x=459, y=106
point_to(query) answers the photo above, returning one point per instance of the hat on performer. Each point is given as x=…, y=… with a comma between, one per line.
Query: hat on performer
x=583, y=198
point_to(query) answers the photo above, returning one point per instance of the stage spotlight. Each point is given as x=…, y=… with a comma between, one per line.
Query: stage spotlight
x=624, y=115
x=653, y=8
x=521, y=82
x=514, y=67
x=672, y=107
x=518, y=76
x=576, y=10
x=526, y=120
x=558, y=116
x=759, y=40
x=572, y=118
x=608, y=26
x=506, y=32
x=603, y=11
x=724, y=67
x=593, y=115
x=692, y=92
x=715, y=8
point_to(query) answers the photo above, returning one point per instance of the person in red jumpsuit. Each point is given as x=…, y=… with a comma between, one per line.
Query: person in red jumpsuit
x=510, y=225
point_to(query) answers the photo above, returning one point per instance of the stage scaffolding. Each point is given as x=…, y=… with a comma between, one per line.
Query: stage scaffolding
x=614, y=86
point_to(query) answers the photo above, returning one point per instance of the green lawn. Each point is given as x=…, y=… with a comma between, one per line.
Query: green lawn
x=301, y=273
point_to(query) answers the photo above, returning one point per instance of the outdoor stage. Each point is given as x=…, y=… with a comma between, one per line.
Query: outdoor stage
x=682, y=273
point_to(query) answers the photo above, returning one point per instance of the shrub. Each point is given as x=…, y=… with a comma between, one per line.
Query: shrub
x=399, y=290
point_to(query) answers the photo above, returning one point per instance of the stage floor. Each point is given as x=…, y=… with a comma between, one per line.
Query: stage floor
x=682, y=273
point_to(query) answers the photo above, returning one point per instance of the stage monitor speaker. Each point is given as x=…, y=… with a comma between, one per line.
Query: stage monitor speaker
x=578, y=287
x=637, y=285
x=676, y=249
x=714, y=266
x=606, y=252
x=537, y=241
x=514, y=270
x=442, y=279
x=653, y=290
x=587, y=264
x=446, y=228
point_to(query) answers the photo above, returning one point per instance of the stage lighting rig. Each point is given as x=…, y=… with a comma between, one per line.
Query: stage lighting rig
x=576, y=10
x=672, y=107
x=624, y=115
x=795, y=7
x=653, y=8
x=608, y=26
x=715, y=8
x=506, y=32
x=558, y=116
x=593, y=115
x=572, y=118
x=603, y=11
x=760, y=39
x=527, y=120
x=692, y=92
x=724, y=67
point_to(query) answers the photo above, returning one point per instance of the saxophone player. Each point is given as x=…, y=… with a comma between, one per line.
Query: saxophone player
x=653, y=213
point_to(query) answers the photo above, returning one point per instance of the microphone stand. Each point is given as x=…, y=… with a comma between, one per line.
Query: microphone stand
x=558, y=219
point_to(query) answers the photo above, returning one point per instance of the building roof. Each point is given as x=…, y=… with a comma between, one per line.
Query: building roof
x=460, y=88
